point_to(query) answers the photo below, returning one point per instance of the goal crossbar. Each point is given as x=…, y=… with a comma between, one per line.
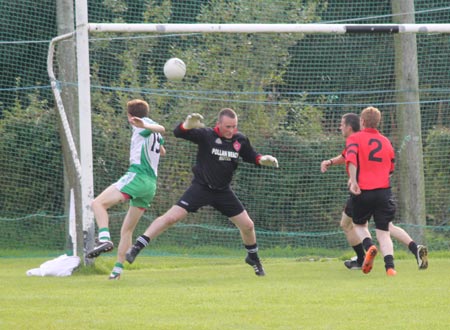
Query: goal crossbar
x=269, y=28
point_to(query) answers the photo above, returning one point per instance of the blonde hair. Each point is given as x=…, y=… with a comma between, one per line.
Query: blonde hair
x=138, y=108
x=371, y=117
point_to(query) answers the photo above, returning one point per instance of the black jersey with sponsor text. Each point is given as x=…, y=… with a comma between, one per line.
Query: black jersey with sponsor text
x=217, y=157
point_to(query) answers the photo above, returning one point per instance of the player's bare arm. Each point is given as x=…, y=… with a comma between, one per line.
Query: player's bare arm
x=162, y=151
x=332, y=161
x=353, y=182
x=139, y=122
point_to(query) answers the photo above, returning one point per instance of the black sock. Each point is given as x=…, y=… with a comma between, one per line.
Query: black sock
x=252, y=251
x=359, y=253
x=367, y=243
x=389, y=261
x=413, y=248
x=142, y=241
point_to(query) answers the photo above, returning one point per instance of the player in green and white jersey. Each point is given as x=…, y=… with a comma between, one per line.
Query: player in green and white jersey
x=138, y=185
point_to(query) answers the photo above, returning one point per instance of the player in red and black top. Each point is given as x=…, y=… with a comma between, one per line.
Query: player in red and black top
x=219, y=150
x=369, y=157
x=350, y=123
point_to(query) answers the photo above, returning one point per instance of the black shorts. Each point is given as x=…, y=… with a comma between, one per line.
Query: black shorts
x=348, y=208
x=377, y=203
x=224, y=201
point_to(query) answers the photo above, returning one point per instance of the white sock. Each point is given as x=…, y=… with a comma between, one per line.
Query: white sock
x=103, y=235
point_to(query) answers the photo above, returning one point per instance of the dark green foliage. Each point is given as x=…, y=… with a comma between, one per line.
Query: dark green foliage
x=437, y=176
x=25, y=28
x=30, y=161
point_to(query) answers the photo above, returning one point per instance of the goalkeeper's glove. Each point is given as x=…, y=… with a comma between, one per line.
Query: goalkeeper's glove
x=268, y=160
x=194, y=120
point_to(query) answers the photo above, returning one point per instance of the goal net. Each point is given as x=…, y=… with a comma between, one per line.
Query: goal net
x=290, y=91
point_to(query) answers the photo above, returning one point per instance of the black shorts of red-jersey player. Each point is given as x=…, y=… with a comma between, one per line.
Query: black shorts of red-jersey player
x=377, y=203
x=348, y=208
x=223, y=200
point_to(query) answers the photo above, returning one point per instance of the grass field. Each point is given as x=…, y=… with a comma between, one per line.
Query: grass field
x=223, y=293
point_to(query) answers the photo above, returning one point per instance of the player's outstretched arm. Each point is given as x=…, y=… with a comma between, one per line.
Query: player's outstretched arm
x=194, y=120
x=139, y=122
x=332, y=161
x=325, y=164
x=268, y=160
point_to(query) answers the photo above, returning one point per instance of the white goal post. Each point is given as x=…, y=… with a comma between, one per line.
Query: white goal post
x=269, y=28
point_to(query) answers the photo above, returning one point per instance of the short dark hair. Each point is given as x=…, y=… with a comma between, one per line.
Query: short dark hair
x=352, y=120
x=227, y=112
x=138, y=108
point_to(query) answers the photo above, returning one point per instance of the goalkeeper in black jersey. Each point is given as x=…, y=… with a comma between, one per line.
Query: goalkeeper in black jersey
x=219, y=150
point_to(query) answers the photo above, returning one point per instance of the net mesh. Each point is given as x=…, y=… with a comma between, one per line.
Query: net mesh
x=289, y=90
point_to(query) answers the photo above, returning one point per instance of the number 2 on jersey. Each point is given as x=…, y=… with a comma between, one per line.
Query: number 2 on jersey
x=375, y=150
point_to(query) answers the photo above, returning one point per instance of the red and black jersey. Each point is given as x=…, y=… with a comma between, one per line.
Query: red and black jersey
x=217, y=157
x=373, y=155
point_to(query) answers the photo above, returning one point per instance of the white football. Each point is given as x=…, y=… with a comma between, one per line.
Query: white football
x=174, y=69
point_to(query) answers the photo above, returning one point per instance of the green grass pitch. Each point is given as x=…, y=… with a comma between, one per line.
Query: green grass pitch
x=223, y=293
